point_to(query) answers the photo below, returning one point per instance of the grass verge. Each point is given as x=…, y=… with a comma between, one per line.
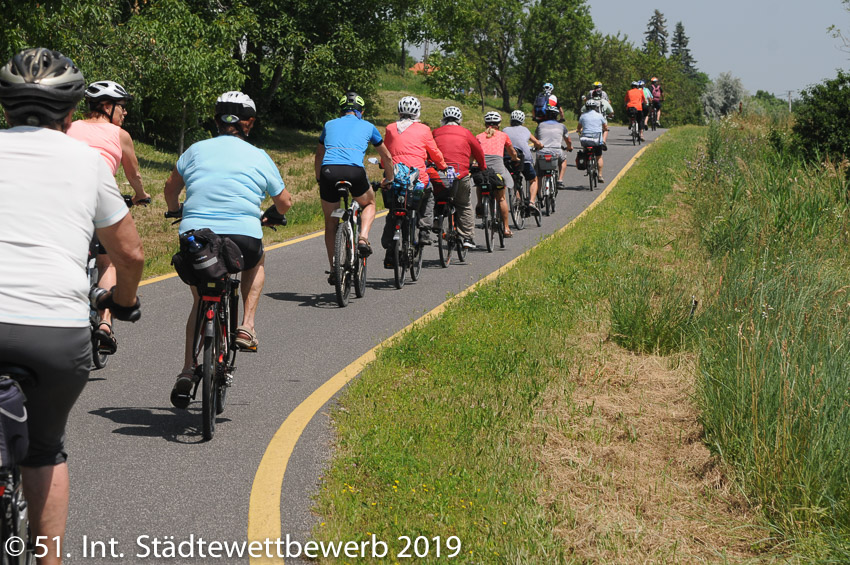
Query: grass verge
x=459, y=428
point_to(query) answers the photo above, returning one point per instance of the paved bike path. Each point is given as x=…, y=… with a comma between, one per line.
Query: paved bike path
x=138, y=467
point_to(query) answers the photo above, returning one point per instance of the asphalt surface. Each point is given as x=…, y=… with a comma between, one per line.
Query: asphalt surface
x=138, y=465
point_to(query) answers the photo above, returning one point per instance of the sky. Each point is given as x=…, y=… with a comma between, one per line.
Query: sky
x=772, y=45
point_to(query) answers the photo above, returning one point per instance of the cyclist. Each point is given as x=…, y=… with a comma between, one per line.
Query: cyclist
x=44, y=311
x=411, y=142
x=657, y=98
x=604, y=106
x=593, y=131
x=226, y=180
x=552, y=134
x=544, y=100
x=496, y=144
x=339, y=156
x=597, y=92
x=635, y=100
x=458, y=146
x=520, y=137
x=647, y=102
x=101, y=129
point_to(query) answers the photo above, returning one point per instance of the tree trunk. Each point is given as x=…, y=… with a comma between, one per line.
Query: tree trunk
x=182, y=130
x=480, y=91
x=506, y=97
x=277, y=76
x=403, y=59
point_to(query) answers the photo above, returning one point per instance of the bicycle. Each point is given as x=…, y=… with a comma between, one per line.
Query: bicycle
x=406, y=247
x=349, y=267
x=519, y=199
x=634, y=128
x=14, y=512
x=592, y=167
x=547, y=168
x=448, y=236
x=492, y=219
x=101, y=350
x=653, y=117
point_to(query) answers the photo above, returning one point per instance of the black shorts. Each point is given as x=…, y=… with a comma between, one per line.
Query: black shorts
x=331, y=174
x=251, y=248
x=60, y=359
x=657, y=104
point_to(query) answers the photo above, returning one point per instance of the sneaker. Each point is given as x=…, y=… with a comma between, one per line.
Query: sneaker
x=389, y=260
x=600, y=179
x=332, y=278
x=532, y=209
x=658, y=124
x=469, y=243
x=560, y=185
x=425, y=237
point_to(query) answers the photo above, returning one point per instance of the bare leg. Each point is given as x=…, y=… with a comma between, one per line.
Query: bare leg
x=503, y=207
x=108, y=278
x=46, y=490
x=330, y=229
x=188, y=361
x=532, y=190
x=252, y=286
x=367, y=214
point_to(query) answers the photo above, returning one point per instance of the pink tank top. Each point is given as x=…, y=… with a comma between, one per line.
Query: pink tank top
x=104, y=137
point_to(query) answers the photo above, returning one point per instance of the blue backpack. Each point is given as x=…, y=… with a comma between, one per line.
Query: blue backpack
x=406, y=187
x=540, y=104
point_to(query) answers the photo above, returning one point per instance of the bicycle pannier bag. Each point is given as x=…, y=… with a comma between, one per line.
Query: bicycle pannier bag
x=14, y=436
x=208, y=258
x=443, y=183
x=547, y=162
x=581, y=160
x=404, y=188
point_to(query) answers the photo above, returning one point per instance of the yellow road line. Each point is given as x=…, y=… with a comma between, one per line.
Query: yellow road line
x=269, y=248
x=264, y=506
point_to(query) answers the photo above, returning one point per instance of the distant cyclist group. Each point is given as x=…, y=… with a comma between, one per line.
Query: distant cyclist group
x=61, y=205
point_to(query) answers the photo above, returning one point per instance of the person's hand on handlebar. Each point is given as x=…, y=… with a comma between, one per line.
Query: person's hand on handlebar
x=175, y=213
x=271, y=218
x=102, y=299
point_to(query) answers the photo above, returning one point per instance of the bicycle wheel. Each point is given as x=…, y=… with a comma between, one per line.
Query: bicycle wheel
x=462, y=250
x=416, y=263
x=99, y=359
x=207, y=375
x=400, y=261
x=488, y=226
x=359, y=275
x=514, y=205
x=443, y=240
x=500, y=224
x=225, y=367
x=342, y=259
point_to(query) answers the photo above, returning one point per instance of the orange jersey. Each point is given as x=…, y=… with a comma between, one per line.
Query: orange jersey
x=635, y=98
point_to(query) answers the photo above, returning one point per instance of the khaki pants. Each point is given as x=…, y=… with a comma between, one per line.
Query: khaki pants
x=464, y=214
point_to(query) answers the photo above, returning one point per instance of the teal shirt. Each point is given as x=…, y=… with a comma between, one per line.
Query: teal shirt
x=226, y=181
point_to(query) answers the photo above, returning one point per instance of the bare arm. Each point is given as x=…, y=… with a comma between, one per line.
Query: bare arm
x=386, y=162
x=173, y=187
x=535, y=142
x=317, y=161
x=283, y=201
x=130, y=164
x=512, y=152
x=124, y=246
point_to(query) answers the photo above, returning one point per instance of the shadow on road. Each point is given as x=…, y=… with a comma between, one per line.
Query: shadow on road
x=177, y=426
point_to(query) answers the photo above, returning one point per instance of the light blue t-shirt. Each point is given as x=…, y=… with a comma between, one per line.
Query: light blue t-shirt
x=346, y=140
x=226, y=179
x=591, y=124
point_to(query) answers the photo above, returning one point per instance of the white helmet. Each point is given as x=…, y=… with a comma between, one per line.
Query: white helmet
x=493, y=118
x=548, y=88
x=409, y=106
x=234, y=106
x=454, y=113
x=518, y=116
x=107, y=90
x=592, y=104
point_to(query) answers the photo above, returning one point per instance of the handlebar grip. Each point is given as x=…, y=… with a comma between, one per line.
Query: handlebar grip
x=273, y=218
x=101, y=299
x=176, y=214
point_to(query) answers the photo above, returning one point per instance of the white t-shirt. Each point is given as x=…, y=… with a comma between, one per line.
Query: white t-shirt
x=54, y=191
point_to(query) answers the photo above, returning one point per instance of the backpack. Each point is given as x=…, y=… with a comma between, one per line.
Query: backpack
x=656, y=91
x=209, y=259
x=406, y=189
x=581, y=160
x=540, y=104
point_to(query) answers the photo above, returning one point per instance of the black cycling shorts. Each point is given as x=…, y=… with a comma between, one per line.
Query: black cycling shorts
x=657, y=104
x=331, y=174
x=61, y=360
x=251, y=248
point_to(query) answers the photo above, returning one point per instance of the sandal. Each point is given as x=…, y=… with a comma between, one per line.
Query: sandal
x=509, y=234
x=105, y=339
x=364, y=247
x=248, y=343
x=180, y=394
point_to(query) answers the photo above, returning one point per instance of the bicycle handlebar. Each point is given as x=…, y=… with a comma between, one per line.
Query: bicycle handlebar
x=101, y=299
x=271, y=218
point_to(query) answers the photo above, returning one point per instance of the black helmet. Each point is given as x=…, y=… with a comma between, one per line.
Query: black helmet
x=351, y=102
x=42, y=83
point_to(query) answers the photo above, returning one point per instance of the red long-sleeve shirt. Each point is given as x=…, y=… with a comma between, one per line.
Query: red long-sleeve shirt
x=412, y=147
x=459, y=145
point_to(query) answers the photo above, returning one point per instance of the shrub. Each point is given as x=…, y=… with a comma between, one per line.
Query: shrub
x=722, y=96
x=823, y=117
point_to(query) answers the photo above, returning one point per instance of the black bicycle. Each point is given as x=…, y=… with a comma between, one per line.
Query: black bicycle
x=592, y=167
x=491, y=216
x=547, y=168
x=448, y=236
x=634, y=127
x=519, y=199
x=349, y=267
x=406, y=247
x=15, y=533
x=653, y=117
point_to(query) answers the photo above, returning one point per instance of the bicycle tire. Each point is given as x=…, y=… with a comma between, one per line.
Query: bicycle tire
x=488, y=227
x=513, y=204
x=99, y=360
x=342, y=258
x=443, y=241
x=416, y=263
x=359, y=276
x=552, y=200
x=500, y=224
x=462, y=250
x=207, y=388
x=232, y=307
x=399, y=270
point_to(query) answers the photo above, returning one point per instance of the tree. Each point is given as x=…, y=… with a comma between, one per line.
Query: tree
x=822, y=116
x=655, y=37
x=723, y=96
x=679, y=49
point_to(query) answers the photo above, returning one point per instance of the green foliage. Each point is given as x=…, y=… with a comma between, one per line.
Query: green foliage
x=772, y=367
x=452, y=77
x=763, y=103
x=822, y=118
